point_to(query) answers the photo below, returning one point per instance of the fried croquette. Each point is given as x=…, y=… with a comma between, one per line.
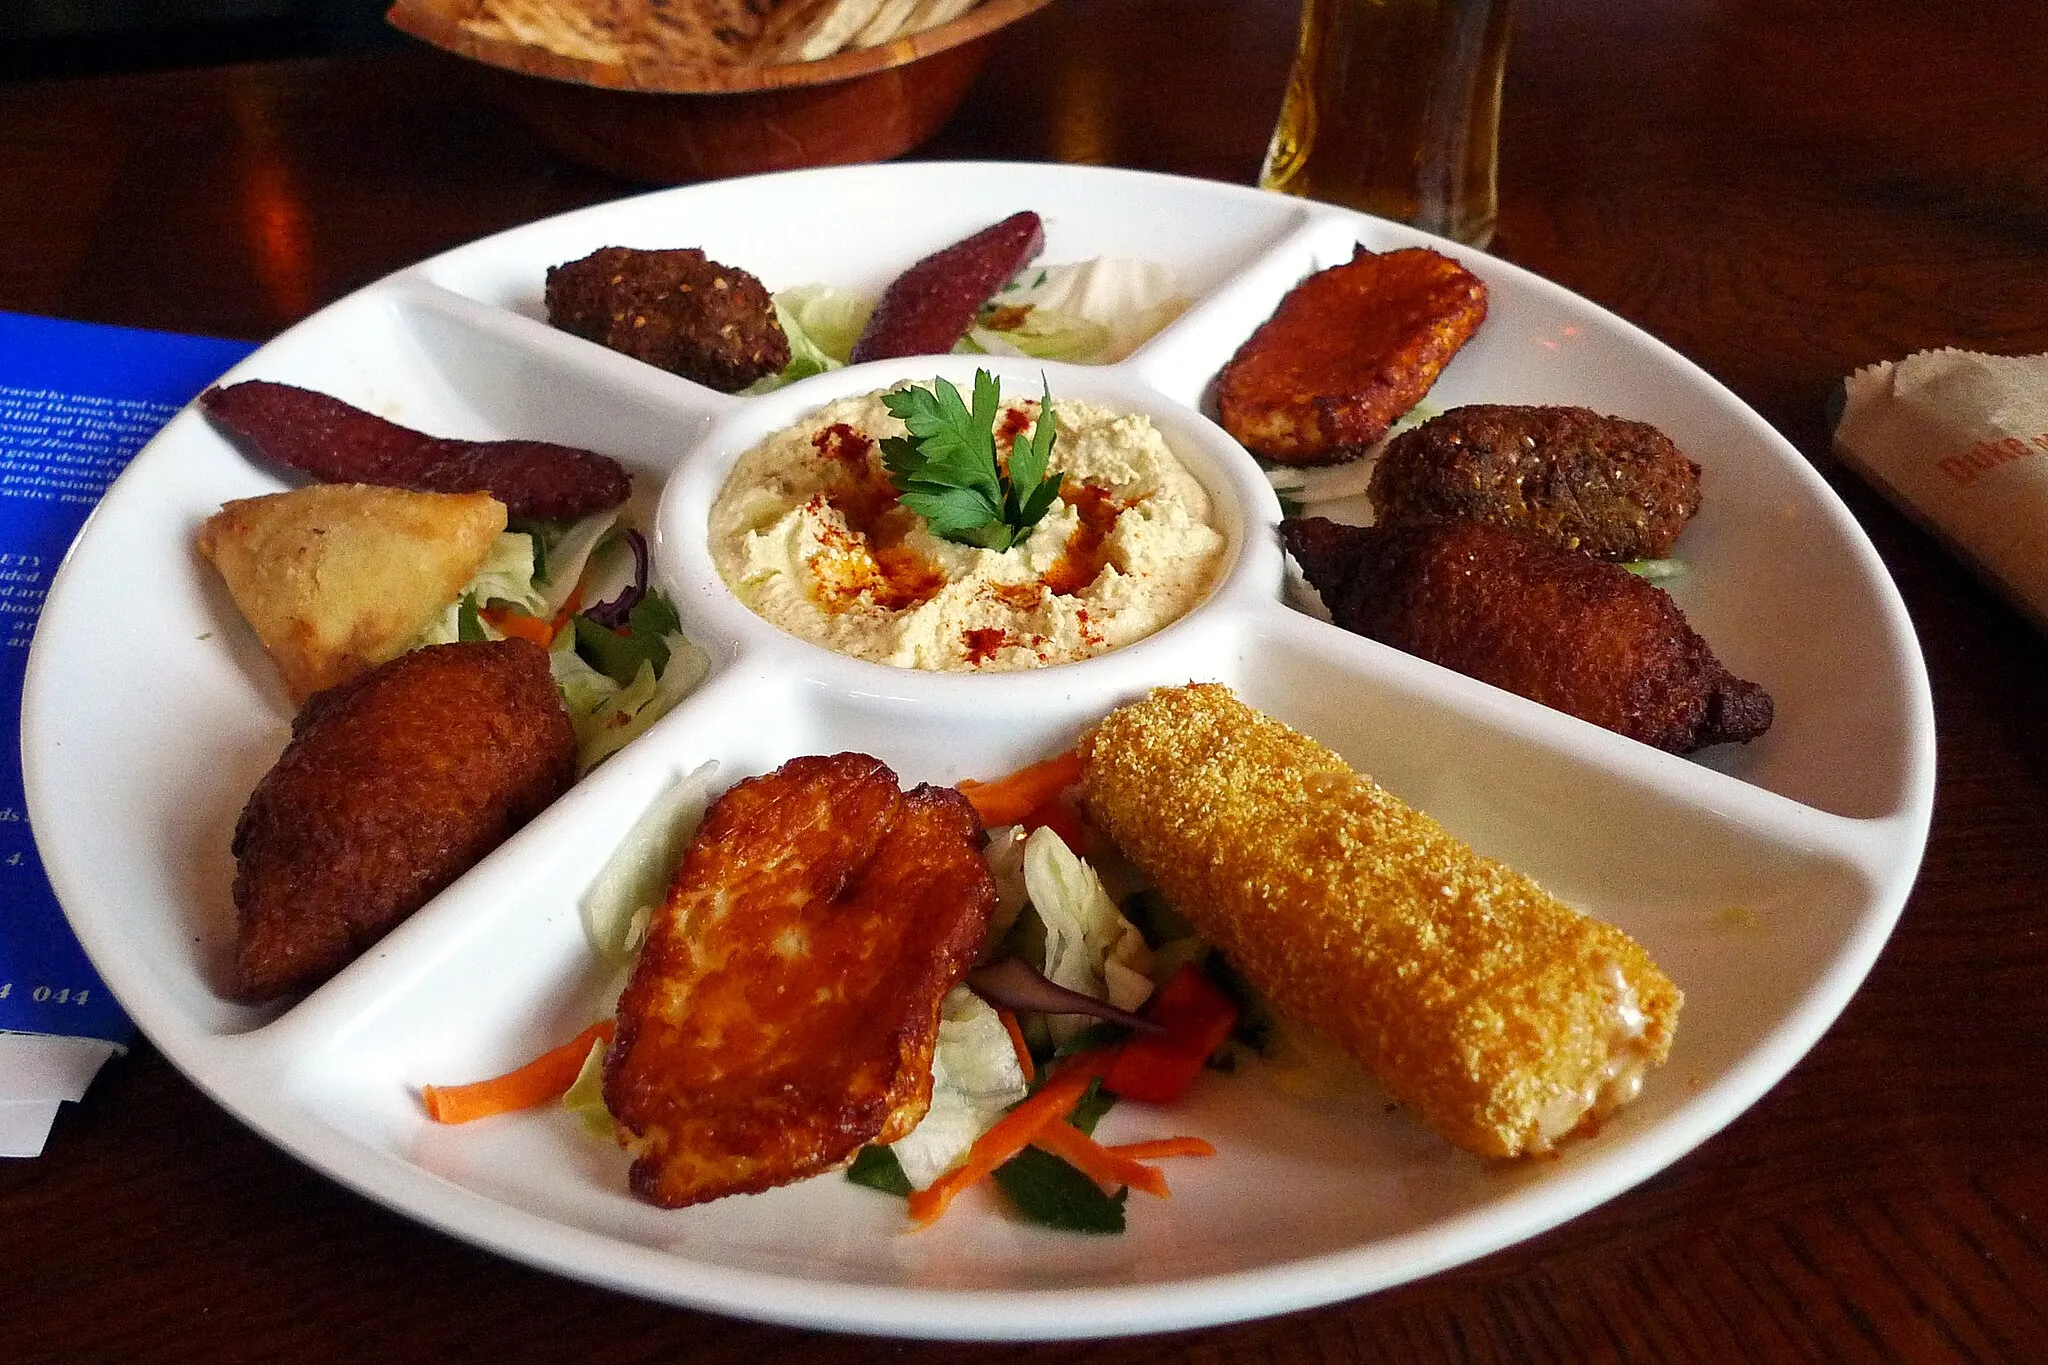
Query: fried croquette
x=1505, y=606
x=1349, y=350
x=393, y=785
x=677, y=310
x=1614, y=488
x=784, y=1011
x=1503, y=1018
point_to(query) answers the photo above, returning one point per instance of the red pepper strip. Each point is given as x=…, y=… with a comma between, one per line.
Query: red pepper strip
x=1197, y=1017
x=1063, y=820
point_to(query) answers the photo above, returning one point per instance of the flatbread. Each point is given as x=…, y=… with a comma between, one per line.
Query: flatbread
x=701, y=32
x=932, y=13
x=588, y=30
x=886, y=24
x=337, y=578
x=832, y=29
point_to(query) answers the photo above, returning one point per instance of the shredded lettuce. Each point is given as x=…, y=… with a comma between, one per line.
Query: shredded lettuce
x=822, y=323
x=1129, y=301
x=635, y=876
x=1655, y=569
x=1089, y=946
x=1004, y=855
x=830, y=318
x=606, y=721
x=1041, y=333
x=585, y=1096
x=566, y=558
x=506, y=575
x=975, y=1079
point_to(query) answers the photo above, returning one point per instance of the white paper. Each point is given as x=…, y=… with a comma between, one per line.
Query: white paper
x=37, y=1073
x=1959, y=442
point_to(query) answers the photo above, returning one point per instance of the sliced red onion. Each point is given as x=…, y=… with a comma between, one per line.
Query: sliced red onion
x=615, y=613
x=1014, y=984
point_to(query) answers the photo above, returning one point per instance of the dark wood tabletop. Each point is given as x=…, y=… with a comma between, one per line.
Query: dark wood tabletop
x=1783, y=190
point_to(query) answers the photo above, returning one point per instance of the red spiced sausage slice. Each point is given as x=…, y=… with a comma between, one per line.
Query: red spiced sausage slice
x=932, y=304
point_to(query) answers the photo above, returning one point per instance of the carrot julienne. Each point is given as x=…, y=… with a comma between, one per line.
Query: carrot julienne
x=1099, y=1163
x=1012, y=1133
x=546, y=1077
x=1152, y=1149
x=519, y=624
x=1016, y=1032
x=1008, y=800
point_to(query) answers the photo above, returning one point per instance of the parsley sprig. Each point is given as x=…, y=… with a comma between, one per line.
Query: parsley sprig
x=947, y=472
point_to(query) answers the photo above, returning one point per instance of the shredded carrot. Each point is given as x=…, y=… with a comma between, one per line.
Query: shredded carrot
x=1016, y=1032
x=1007, y=800
x=1099, y=1163
x=1155, y=1148
x=544, y=1078
x=569, y=609
x=518, y=623
x=1012, y=1133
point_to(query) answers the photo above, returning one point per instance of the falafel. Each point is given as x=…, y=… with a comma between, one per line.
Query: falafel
x=677, y=310
x=1614, y=488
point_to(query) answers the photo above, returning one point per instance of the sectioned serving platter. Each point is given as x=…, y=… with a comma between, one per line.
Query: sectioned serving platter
x=1763, y=878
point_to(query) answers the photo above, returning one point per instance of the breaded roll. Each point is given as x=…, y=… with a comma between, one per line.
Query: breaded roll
x=1501, y=1016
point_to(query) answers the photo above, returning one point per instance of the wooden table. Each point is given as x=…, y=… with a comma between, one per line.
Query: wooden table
x=1782, y=189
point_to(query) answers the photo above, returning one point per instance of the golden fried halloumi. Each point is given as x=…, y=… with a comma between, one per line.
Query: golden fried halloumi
x=784, y=1010
x=337, y=578
x=1349, y=350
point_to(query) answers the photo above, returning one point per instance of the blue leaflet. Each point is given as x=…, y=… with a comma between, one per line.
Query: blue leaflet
x=76, y=402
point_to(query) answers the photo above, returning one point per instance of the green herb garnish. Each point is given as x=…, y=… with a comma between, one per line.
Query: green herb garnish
x=1052, y=1193
x=469, y=625
x=619, y=655
x=878, y=1169
x=1089, y=1109
x=947, y=470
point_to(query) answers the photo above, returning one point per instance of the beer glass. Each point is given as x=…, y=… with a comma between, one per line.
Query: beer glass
x=1393, y=107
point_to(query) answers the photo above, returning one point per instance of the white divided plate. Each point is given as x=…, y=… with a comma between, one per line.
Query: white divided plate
x=1764, y=878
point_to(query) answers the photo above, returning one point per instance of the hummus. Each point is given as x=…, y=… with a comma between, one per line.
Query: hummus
x=808, y=533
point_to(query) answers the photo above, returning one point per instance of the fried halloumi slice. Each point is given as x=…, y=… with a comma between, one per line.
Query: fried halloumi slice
x=1349, y=350
x=337, y=578
x=784, y=1010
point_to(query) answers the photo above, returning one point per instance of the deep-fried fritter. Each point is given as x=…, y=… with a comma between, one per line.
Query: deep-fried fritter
x=1501, y=1016
x=1348, y=351
x=784, y=1010
x=677, y=310
x=393, y=785
x=1508, y=607
x=1614, y=488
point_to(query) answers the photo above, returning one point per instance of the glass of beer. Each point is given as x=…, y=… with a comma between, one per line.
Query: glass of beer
x=1393, y=108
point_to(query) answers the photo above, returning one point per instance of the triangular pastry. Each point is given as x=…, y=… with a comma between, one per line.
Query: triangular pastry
x=338, y=578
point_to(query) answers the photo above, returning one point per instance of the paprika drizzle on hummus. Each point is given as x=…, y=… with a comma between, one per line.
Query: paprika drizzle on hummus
x=809, y=534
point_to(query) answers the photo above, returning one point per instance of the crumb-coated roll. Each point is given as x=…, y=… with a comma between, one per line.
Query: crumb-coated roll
x=1501, y=1016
